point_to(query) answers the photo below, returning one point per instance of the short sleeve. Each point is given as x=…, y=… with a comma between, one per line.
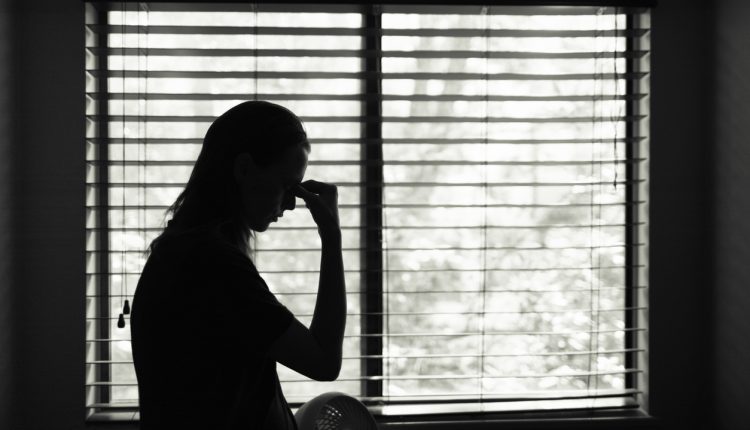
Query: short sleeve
x=236, y=302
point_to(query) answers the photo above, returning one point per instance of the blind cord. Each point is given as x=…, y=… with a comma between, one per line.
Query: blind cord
x=123, y=280
x=386, y=267
x=388, y=351
x=595, y=94
x=145, y=135
x=596, y=158
x=254, y=7
x=254, y=239
x=143, y=143
x=141, y=134
x=485, y=137
x=618, y=114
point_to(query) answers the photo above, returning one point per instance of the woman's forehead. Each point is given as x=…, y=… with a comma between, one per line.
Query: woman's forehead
x=295, y=163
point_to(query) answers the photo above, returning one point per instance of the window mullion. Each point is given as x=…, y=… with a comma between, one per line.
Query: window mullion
x=102, y=108
x=371, y=301
x=631, y=213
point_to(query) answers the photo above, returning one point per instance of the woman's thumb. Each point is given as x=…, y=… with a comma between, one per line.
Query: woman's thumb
x=302, y=193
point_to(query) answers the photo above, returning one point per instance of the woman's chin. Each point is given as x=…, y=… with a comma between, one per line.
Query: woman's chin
x=261, y=226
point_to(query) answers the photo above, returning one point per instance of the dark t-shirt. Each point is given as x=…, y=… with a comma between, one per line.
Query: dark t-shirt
x=202, y=323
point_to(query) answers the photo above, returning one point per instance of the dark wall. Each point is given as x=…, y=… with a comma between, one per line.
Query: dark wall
x=680, y=171
x=48, y=206
x=6, y=227
x=732, y=215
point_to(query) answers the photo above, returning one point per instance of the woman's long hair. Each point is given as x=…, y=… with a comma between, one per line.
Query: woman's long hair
x=211, y=197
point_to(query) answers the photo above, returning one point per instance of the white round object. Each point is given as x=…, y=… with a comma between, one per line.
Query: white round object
x=334, y=411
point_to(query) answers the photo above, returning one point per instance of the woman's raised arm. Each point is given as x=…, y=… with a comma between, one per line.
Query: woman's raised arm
x=316, y=352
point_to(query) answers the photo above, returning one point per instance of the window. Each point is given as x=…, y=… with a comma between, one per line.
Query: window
x=493, y=181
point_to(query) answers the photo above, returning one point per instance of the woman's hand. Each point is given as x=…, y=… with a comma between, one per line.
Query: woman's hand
x=322, y=201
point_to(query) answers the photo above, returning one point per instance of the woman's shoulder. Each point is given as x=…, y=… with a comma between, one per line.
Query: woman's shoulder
x=196, y=260
x=200, y=245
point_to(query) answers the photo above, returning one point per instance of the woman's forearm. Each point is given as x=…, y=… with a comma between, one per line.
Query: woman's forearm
x=329, y=318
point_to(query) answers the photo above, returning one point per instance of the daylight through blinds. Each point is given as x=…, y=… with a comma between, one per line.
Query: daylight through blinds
x=491, y=164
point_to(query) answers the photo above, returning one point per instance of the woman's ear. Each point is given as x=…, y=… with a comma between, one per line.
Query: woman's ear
x=244, y=167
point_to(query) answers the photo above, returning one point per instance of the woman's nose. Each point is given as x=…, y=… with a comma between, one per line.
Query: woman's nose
x=289, y=201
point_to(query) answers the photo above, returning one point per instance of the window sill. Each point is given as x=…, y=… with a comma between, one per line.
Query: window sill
x=618, y=418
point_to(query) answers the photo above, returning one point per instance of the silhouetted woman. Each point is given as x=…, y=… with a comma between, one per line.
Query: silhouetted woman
x=206, y=331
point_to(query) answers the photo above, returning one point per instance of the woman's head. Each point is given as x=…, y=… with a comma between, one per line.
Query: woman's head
x=251, y=156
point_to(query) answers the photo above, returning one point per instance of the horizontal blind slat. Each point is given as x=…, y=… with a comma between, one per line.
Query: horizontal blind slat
x=358, y=53
x=361, y=119
x=362, y=97
x=388, y=141
x=343, y=31
x=429, y=335
x=440, y=398
x=536, y=311
x=396, y=249
x=358, y=228
x=488, y=290
x=322, y=162
x=442, y=356
x=419, y=377
x=561, y=8
x=364, y=75
x=400, y=206
x=535, y=269
x=115, y=184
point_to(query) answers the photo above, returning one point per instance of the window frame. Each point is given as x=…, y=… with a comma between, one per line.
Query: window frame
x=371, y=257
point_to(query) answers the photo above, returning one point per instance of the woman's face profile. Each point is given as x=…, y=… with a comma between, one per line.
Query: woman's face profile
x=266, y=191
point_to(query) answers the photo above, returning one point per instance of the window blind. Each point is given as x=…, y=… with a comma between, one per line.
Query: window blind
x=492, y=173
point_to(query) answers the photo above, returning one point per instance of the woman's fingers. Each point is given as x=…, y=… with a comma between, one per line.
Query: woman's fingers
x=320, y=190
x=301, y=192
x=322, y=201
x=318, y=187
